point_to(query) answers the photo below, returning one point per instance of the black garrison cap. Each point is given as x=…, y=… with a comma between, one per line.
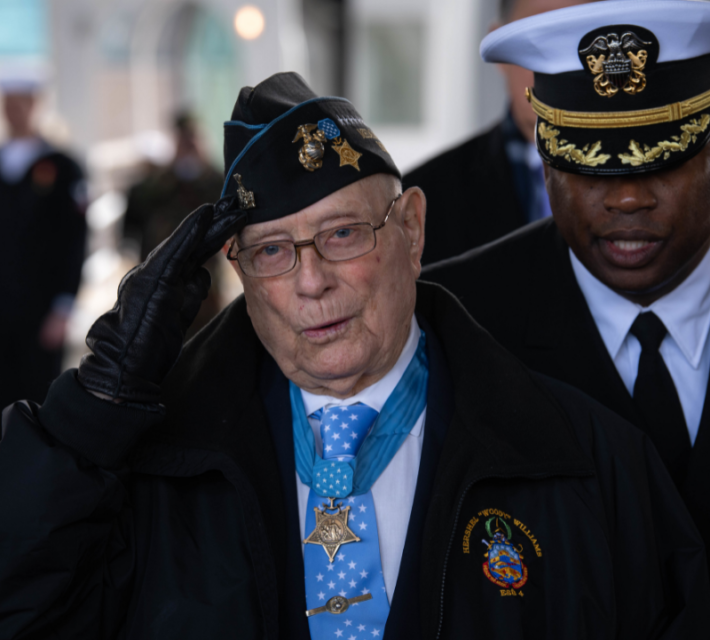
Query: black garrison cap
x=286, y=148
x=620, y=87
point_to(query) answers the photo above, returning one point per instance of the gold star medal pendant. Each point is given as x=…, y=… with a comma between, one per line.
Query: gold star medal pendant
x=332, y=529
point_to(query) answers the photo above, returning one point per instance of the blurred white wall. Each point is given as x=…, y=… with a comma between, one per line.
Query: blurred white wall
x=121, y=67
x=436, y=43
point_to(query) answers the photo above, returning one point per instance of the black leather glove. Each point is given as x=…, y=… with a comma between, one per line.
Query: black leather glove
x=137, y=343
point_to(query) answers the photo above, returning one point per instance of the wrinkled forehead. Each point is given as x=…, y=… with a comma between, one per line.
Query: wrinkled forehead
x=362, y=201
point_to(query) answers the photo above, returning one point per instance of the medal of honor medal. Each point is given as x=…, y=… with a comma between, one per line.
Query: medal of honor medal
x=331, y=529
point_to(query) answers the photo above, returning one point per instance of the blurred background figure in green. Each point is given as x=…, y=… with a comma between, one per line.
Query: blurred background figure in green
x=159, y=202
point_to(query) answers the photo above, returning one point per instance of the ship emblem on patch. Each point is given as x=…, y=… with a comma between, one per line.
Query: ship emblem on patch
x=504, y=562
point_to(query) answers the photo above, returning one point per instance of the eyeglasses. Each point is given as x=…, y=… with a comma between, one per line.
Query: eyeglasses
x=269, y=259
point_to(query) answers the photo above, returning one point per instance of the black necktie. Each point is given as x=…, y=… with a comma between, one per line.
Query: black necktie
x=657, y=399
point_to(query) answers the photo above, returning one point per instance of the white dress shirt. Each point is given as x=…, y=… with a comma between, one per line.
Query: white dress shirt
x=393, y=491
x=685, y=312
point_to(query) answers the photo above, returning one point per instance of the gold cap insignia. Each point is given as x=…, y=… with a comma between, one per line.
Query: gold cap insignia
x=348, y=155
x=311, y=153
x=246, y=198
x=619, y=63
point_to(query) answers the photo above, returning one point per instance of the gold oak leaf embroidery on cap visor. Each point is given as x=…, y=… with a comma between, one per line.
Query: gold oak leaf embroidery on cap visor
x=586, y=156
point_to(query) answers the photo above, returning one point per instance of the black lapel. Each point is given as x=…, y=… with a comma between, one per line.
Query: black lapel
x=561, y=338
x=403, y=621
x=273, y=387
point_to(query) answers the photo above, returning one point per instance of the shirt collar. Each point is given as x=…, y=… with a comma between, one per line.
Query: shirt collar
x=375, y=395
x=685, y=311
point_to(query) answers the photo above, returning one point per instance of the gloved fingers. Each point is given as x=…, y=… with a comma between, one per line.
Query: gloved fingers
x=226, y=221
x=122, y=285
x=197, y=287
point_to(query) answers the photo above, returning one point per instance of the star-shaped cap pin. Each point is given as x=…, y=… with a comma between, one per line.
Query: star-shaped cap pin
x=348, y=155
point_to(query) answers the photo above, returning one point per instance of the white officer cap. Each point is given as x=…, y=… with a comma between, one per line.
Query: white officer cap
x=621, y=86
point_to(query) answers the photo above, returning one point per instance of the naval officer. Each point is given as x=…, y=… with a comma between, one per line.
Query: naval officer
x=613, y=294
x=342, y=453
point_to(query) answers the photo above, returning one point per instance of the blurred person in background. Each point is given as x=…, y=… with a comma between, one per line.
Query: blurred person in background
x=159, y=202
x=493, y=183
x=42, y=244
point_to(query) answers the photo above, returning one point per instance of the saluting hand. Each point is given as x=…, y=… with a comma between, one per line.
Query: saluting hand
x=136, y=344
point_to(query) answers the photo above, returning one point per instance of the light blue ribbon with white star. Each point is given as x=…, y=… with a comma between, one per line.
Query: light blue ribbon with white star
x=355, y=571
x=400, y=413
x=357, y=567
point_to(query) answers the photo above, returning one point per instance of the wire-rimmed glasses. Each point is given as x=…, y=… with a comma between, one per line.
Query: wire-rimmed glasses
x=270, y=259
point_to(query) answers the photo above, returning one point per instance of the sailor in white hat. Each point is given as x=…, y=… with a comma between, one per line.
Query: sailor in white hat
x=42, y=237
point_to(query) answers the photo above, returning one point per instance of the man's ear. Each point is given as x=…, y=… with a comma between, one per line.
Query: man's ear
x=413, y=218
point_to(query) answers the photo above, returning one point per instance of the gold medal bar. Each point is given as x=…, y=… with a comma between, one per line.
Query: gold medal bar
x=338, y=604
x=619, y=119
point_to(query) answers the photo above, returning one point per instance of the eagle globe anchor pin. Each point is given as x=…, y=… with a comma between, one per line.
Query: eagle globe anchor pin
x=332, y=529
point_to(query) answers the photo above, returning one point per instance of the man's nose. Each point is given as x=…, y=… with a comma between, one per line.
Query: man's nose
x=630, y=194
x=313, y=277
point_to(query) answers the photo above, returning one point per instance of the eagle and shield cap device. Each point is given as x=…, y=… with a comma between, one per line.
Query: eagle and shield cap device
x=286, y=148
x=621, y=86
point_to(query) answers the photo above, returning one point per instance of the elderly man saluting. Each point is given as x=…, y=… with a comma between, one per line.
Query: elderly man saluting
x=342, y=453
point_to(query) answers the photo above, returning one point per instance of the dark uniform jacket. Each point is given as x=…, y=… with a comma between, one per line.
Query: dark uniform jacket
x=471, y=195
x=42, y=235
x=523, y=290
x=115, y=525
x=42, y=238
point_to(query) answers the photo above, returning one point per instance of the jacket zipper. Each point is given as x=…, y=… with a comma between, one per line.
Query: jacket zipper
x=448, y=551
x=453, y=533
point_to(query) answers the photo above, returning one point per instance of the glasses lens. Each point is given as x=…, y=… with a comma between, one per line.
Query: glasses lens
x=266, y=260
x=345, y=243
